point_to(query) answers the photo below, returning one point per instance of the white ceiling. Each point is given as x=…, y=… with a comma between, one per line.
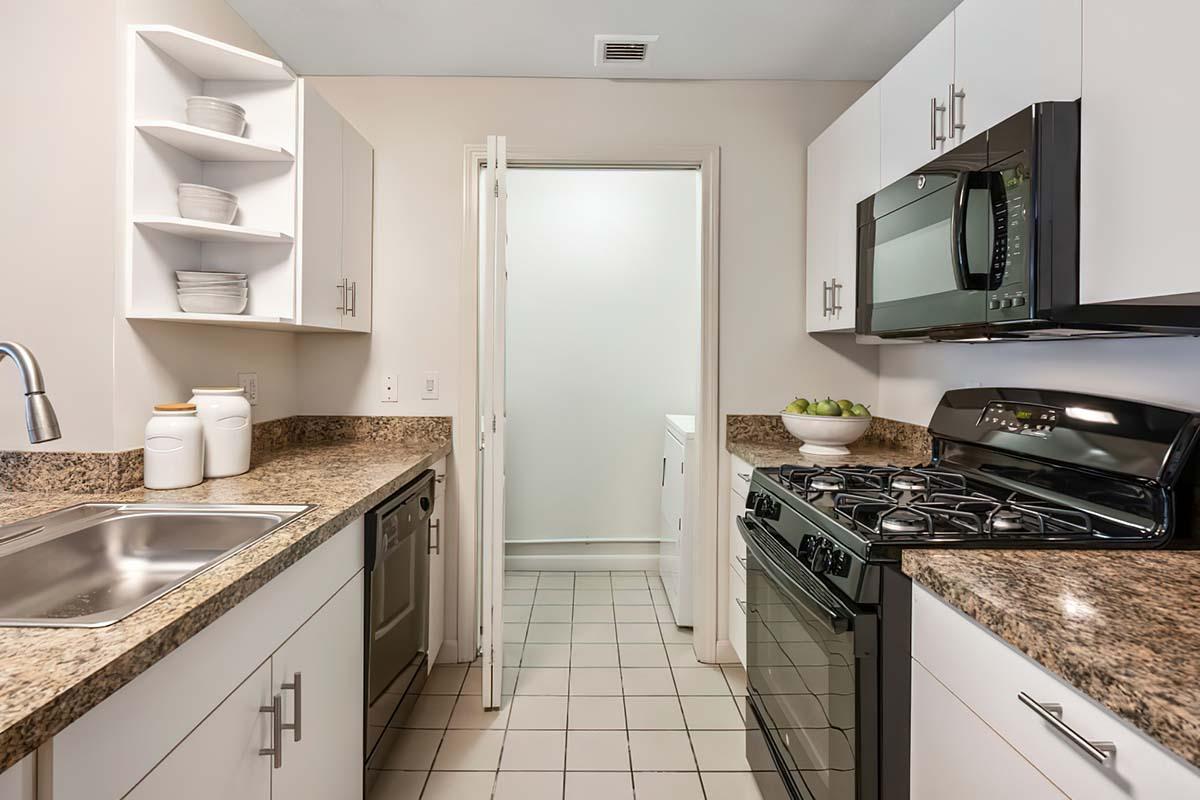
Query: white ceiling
x=804, y=39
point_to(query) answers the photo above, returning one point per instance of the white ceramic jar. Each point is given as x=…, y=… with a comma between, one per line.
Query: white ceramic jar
x=174, y=448
x=224, y=412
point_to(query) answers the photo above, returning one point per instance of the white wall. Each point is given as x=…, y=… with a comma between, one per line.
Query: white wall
x=60, y=216
x=603, y=341
x=913, y=377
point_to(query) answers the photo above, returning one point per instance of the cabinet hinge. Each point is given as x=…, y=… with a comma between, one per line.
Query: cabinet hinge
x=495, y=188
x=493, y=423
x=681, y=523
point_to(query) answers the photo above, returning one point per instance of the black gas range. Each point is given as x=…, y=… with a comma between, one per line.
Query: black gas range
x=828, y=610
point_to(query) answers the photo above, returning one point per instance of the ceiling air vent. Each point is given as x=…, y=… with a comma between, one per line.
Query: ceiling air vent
x=622, y=49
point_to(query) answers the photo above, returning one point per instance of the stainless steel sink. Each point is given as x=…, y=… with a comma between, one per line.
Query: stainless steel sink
x=93, y=564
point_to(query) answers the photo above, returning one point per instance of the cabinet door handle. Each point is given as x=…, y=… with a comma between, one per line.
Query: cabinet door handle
x=742, y=605
x=742, y=560
x=435, y=526
x=294, y=725
x=1051, y=713
x=276, y=748
x=935, y=135
x=341, y=287
x=744, y=475
x=835, y=307
x=353, y=304
x=826, y=309
x=956, y=124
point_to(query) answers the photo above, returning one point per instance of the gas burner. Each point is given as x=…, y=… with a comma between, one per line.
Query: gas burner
x=906, y=482
x=1006, y=519
x=827, y=482
x=903, y=520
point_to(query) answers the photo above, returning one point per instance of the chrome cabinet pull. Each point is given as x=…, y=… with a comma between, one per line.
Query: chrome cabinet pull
x=353, y=304
x=744, y=475
x=341, y=287
x=956, y=124
x=435, y=525
x=742, y=605
x=825, y=304
x=742, y=560
x=294, y=726
x=1100, y=752
x=835, y=308
x=276, y=748
x=935, y=135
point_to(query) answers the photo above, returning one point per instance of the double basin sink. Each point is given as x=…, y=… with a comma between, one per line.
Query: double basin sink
x=93, y=564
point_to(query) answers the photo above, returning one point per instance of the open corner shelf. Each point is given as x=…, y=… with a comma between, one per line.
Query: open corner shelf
x=213, y=60
x=233, y=321
x=210, y=231
x=207, y=145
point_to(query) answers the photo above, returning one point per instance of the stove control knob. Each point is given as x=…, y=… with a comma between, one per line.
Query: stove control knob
x=821, y=557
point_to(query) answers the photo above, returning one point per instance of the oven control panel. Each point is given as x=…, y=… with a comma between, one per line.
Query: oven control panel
x=1026, y=419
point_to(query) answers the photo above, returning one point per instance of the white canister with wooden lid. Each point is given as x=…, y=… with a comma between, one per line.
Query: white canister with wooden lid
x=225, y=414
x=174, y=447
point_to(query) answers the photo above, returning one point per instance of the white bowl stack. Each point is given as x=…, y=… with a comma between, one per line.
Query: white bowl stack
x=202, y=292
x=207, y=203
x=216, y=115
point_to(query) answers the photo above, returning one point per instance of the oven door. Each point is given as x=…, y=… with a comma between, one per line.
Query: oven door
x=811, y=673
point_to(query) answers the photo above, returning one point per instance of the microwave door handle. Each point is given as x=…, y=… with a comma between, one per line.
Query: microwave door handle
x=958, y=231
x=832, y=619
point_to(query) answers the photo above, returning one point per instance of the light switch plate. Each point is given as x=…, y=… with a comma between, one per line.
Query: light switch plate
x=388, y=390
x=432, y=386
x=249, y=382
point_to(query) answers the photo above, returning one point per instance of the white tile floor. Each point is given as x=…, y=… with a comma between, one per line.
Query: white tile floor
x=604, y=700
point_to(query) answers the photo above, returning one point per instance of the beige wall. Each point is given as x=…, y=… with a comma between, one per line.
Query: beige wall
x=60, y=215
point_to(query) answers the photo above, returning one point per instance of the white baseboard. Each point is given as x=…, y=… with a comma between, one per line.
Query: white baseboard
x=725, y=652
x=449, y=652
x=582, y=562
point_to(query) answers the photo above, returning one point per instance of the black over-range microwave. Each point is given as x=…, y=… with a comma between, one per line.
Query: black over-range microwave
x=983, y=244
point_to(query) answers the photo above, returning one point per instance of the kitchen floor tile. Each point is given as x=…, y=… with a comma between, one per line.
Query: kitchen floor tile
x=661, y=751
x=538, y=713
x=643, y=655
x=518, y=597
x=664, y=613
x=517, y=613
x=459, y=785
x=469, y=750
x=548, y=632
x=396, y=785
x=546, y=655
x=526, y=786
x=550, y=614
x=594, y=632
x=631, y=597
x=706, y=680
x=594, y=614
x=746, y=786
x=509, y=682
x=724, y=751
x=647, y=681
x=407, y=749
x=543, y=681
x=735, y=676
x=549, y=580
x=553, y=597
x=712, y=714
x=635, y=614
x=596, y=713
x=469, y=714
x=654, y=713
x=669, y=786
x=520, y=582
x=596, y=681
x=445, y=680
x=673, y=634
x=635, y=582
x=593, y=597
x=474, y=682
x=515, y=631
x=430, y=711
x=594, y=655
x=599, y=786
x=683, y=655
x=593, y=582
x=534, y=751
x=638, y=632
x=597, y=751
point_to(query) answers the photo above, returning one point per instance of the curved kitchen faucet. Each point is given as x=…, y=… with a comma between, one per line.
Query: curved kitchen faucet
x=40, y=419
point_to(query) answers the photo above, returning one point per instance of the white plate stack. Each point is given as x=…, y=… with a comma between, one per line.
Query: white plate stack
x=202, y=292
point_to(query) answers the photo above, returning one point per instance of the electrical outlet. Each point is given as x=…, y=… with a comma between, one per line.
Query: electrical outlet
x=431, y=388
x=249, y=382
x=389, y=389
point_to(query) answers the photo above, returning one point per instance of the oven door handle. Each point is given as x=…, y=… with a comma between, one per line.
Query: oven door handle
x=835, y=620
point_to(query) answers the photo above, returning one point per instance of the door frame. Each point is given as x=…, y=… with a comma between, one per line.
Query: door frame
x=705, y=158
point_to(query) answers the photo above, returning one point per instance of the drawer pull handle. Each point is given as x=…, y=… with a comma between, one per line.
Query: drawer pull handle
x=1100, y=752
x=296, y=688
x=276, y=748
x=742, y=560
x=744, y=476
x=742, y=605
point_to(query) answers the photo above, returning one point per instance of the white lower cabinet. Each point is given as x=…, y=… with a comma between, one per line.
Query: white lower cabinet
x=193, y=725
x=18, y=782
x=956, y=755
x=437, y=565
x=987, y=676
x=739, y=483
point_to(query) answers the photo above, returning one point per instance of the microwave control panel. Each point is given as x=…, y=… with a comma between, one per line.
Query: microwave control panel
x=1022, y=418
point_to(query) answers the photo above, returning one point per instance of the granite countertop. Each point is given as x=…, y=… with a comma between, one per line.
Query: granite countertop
x=52, y=676
x=761, y=441
x=1121, y=626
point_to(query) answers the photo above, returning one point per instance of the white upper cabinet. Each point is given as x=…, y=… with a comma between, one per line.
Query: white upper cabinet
x=1010, y=55
x=912, y=103
x=336, y=207
x=1139, y=121
x=843, y=169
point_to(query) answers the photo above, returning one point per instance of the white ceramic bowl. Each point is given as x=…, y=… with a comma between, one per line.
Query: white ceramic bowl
x=825, y=436
x=203, y=285
x=207, y=203
x=199, y=276
x=216, y=115
x=228, y=291
x=212, y=304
